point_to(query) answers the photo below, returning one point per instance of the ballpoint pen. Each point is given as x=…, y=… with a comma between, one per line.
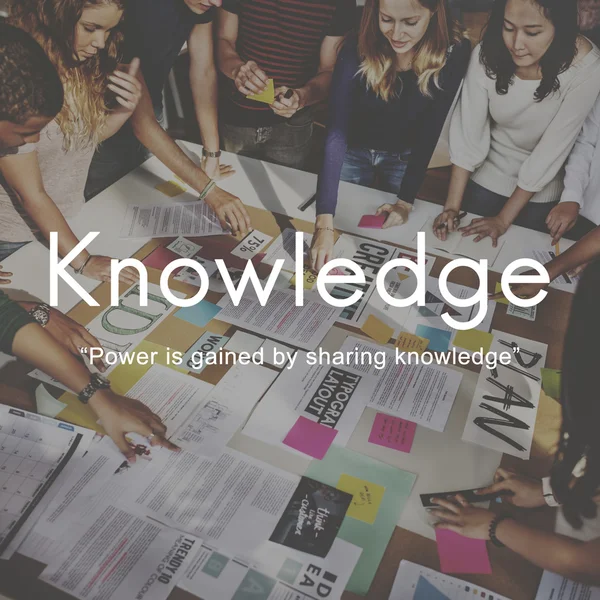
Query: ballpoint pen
x=456, y=220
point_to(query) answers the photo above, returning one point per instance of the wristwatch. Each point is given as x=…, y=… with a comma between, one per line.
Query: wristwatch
x=208, y=154
x=97, y=382
x=41, y=314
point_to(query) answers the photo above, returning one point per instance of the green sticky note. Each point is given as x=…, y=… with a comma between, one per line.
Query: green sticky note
x=474, y=340
x=372, y=537
x=551, y=383
x=498, y=290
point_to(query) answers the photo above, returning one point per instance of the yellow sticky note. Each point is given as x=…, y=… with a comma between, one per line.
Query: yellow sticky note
x=474, y=340
x=366, y=497
x=403, y=276
x=310, y=279
x=502, y=300
x=411, y=343
x=170, y=188
x=377, y=330
x=267, y=95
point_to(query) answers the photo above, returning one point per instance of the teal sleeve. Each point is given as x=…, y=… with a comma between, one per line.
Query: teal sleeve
x=12, y=318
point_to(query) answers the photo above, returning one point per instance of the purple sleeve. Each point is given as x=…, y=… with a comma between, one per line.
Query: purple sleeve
x=340, y=105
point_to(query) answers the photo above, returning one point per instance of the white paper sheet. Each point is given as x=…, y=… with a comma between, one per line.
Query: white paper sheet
x=190, y=276
x=407, y=579
x=275, y=572
x=191, y=219
x=284, y=248
x=252, y=244
x=208, y=430
x=299, y=326
x=505, y=405
x=184, y=247
x=557, y=587
x=241, y=341
x=124, y=556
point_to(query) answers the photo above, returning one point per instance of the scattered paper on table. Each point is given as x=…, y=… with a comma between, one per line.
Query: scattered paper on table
x=439, y=340
x=377, y=330
x=170, y=188
x=194, y=358
x=459, y=554
x=366, y=497
x=392, y=432
x=498, y=290
x=372, y=221
x=244, y=342
x=277, y=354
x=184, y=248
x=252, y=244
x=310, y=438
x=309, y=279
x=473, y=340
x=160, y=258
x=529, y=313
x=267, y=95
x=411, y=343
x=200, y=315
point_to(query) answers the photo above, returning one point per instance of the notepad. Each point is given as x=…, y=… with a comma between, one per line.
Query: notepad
x=377, y=330
x=474, y=340
x=267, y=95
x=459, y=554
x=310, y=437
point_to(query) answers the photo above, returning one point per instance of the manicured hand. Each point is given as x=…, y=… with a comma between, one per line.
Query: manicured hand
x=98, y=267
x=397, y=214
x=4, y=277
x=286, y=107
x=492, y=227
x=561, y=219
x=321, y=250
x=212, y=167
x=250, y=79
x=459, y=516
x=230, y=211
x=444, y=223
x=120, y=415
x=525, y=492
x=127, y=86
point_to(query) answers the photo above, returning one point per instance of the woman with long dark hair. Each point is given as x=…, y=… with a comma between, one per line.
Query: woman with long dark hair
x=530, y=85
x=391, y=92
x=574, y=483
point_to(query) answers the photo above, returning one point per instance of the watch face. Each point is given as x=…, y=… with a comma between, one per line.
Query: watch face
x=100, y=382
x=41, y=315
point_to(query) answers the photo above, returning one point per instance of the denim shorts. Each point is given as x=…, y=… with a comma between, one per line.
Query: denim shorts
x=8, y=248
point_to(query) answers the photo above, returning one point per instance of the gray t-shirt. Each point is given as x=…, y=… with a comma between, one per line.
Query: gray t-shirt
x=64, y=174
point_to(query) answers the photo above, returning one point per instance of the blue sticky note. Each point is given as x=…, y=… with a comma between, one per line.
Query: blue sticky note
x=200, y=314
x=439, y=340
x=427, y=591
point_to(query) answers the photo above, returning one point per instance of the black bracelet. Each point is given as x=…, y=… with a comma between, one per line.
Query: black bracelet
x=492, y=530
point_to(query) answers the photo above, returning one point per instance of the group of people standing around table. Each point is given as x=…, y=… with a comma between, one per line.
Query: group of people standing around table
x=86, y=107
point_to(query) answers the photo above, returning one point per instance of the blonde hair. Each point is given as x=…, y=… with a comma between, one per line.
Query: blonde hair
x=53, y=23
x=378, y=66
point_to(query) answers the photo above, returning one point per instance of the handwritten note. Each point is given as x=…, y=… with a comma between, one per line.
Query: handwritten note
x=366, y=497
x=411, y=343
x=392, y=432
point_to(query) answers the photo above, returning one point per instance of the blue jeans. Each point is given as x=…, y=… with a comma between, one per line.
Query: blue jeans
x=481, y=201
x=8, y=248
x=375, y=169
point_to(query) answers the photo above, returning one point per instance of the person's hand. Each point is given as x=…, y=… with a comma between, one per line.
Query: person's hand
x=561, y=219
x=523, y=491
x=284, y=106
x=397, y=214
x=215, y=170
x=250, y=79
x=523, y=290
x=98, y=267
x=120, y=415
x=445, y=223
x=4, y=277
x=230, y=211
x=483, y=227
x=321, y=250
x=462, y=518
x=127, y=87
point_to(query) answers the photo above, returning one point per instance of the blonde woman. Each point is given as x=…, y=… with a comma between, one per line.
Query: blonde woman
x=42, y=183
x=392, y=88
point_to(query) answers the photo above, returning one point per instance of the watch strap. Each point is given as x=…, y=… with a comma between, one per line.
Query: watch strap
x=208, y=154
x=96, y=383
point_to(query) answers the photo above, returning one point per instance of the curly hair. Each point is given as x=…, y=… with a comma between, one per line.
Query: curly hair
x=498, y=62
x=53, y=24
x=30, y=84
x=581, y=409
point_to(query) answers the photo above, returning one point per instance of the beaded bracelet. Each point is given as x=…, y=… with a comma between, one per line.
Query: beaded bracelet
x=209, y=186
x=492, y=530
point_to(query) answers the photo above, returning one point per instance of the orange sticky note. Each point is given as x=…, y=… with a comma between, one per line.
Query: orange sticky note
x=267, y=95
x=502, y=300
x=170, y=188
x=411, y=343
x=377, y=330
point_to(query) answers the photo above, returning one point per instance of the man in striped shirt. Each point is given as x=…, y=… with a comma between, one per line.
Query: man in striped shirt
x=293, y=42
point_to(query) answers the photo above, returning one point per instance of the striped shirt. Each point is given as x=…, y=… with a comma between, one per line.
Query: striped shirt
x=284, y=38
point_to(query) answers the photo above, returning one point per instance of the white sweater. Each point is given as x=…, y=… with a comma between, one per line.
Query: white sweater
x=582, y=173
x=512, y=140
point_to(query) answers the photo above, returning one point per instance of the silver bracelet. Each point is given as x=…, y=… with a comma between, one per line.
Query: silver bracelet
x=83, y=266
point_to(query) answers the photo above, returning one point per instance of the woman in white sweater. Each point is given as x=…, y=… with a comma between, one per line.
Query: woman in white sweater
x=530, y=85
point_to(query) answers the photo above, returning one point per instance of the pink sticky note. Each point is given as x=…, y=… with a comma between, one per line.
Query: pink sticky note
x=372, y=221
x=310, y=437
x=393, y=432
x=459, y=554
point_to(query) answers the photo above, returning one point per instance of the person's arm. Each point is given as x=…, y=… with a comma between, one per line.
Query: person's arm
x=433, y=123
x=22, y=173
x=316, y=89
x=203, y=81
x=23, y=338
x=146, y=128
x=248, y=77
x=579, y=561
x=577, y=177
x=469, y=141
x=340, y=105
